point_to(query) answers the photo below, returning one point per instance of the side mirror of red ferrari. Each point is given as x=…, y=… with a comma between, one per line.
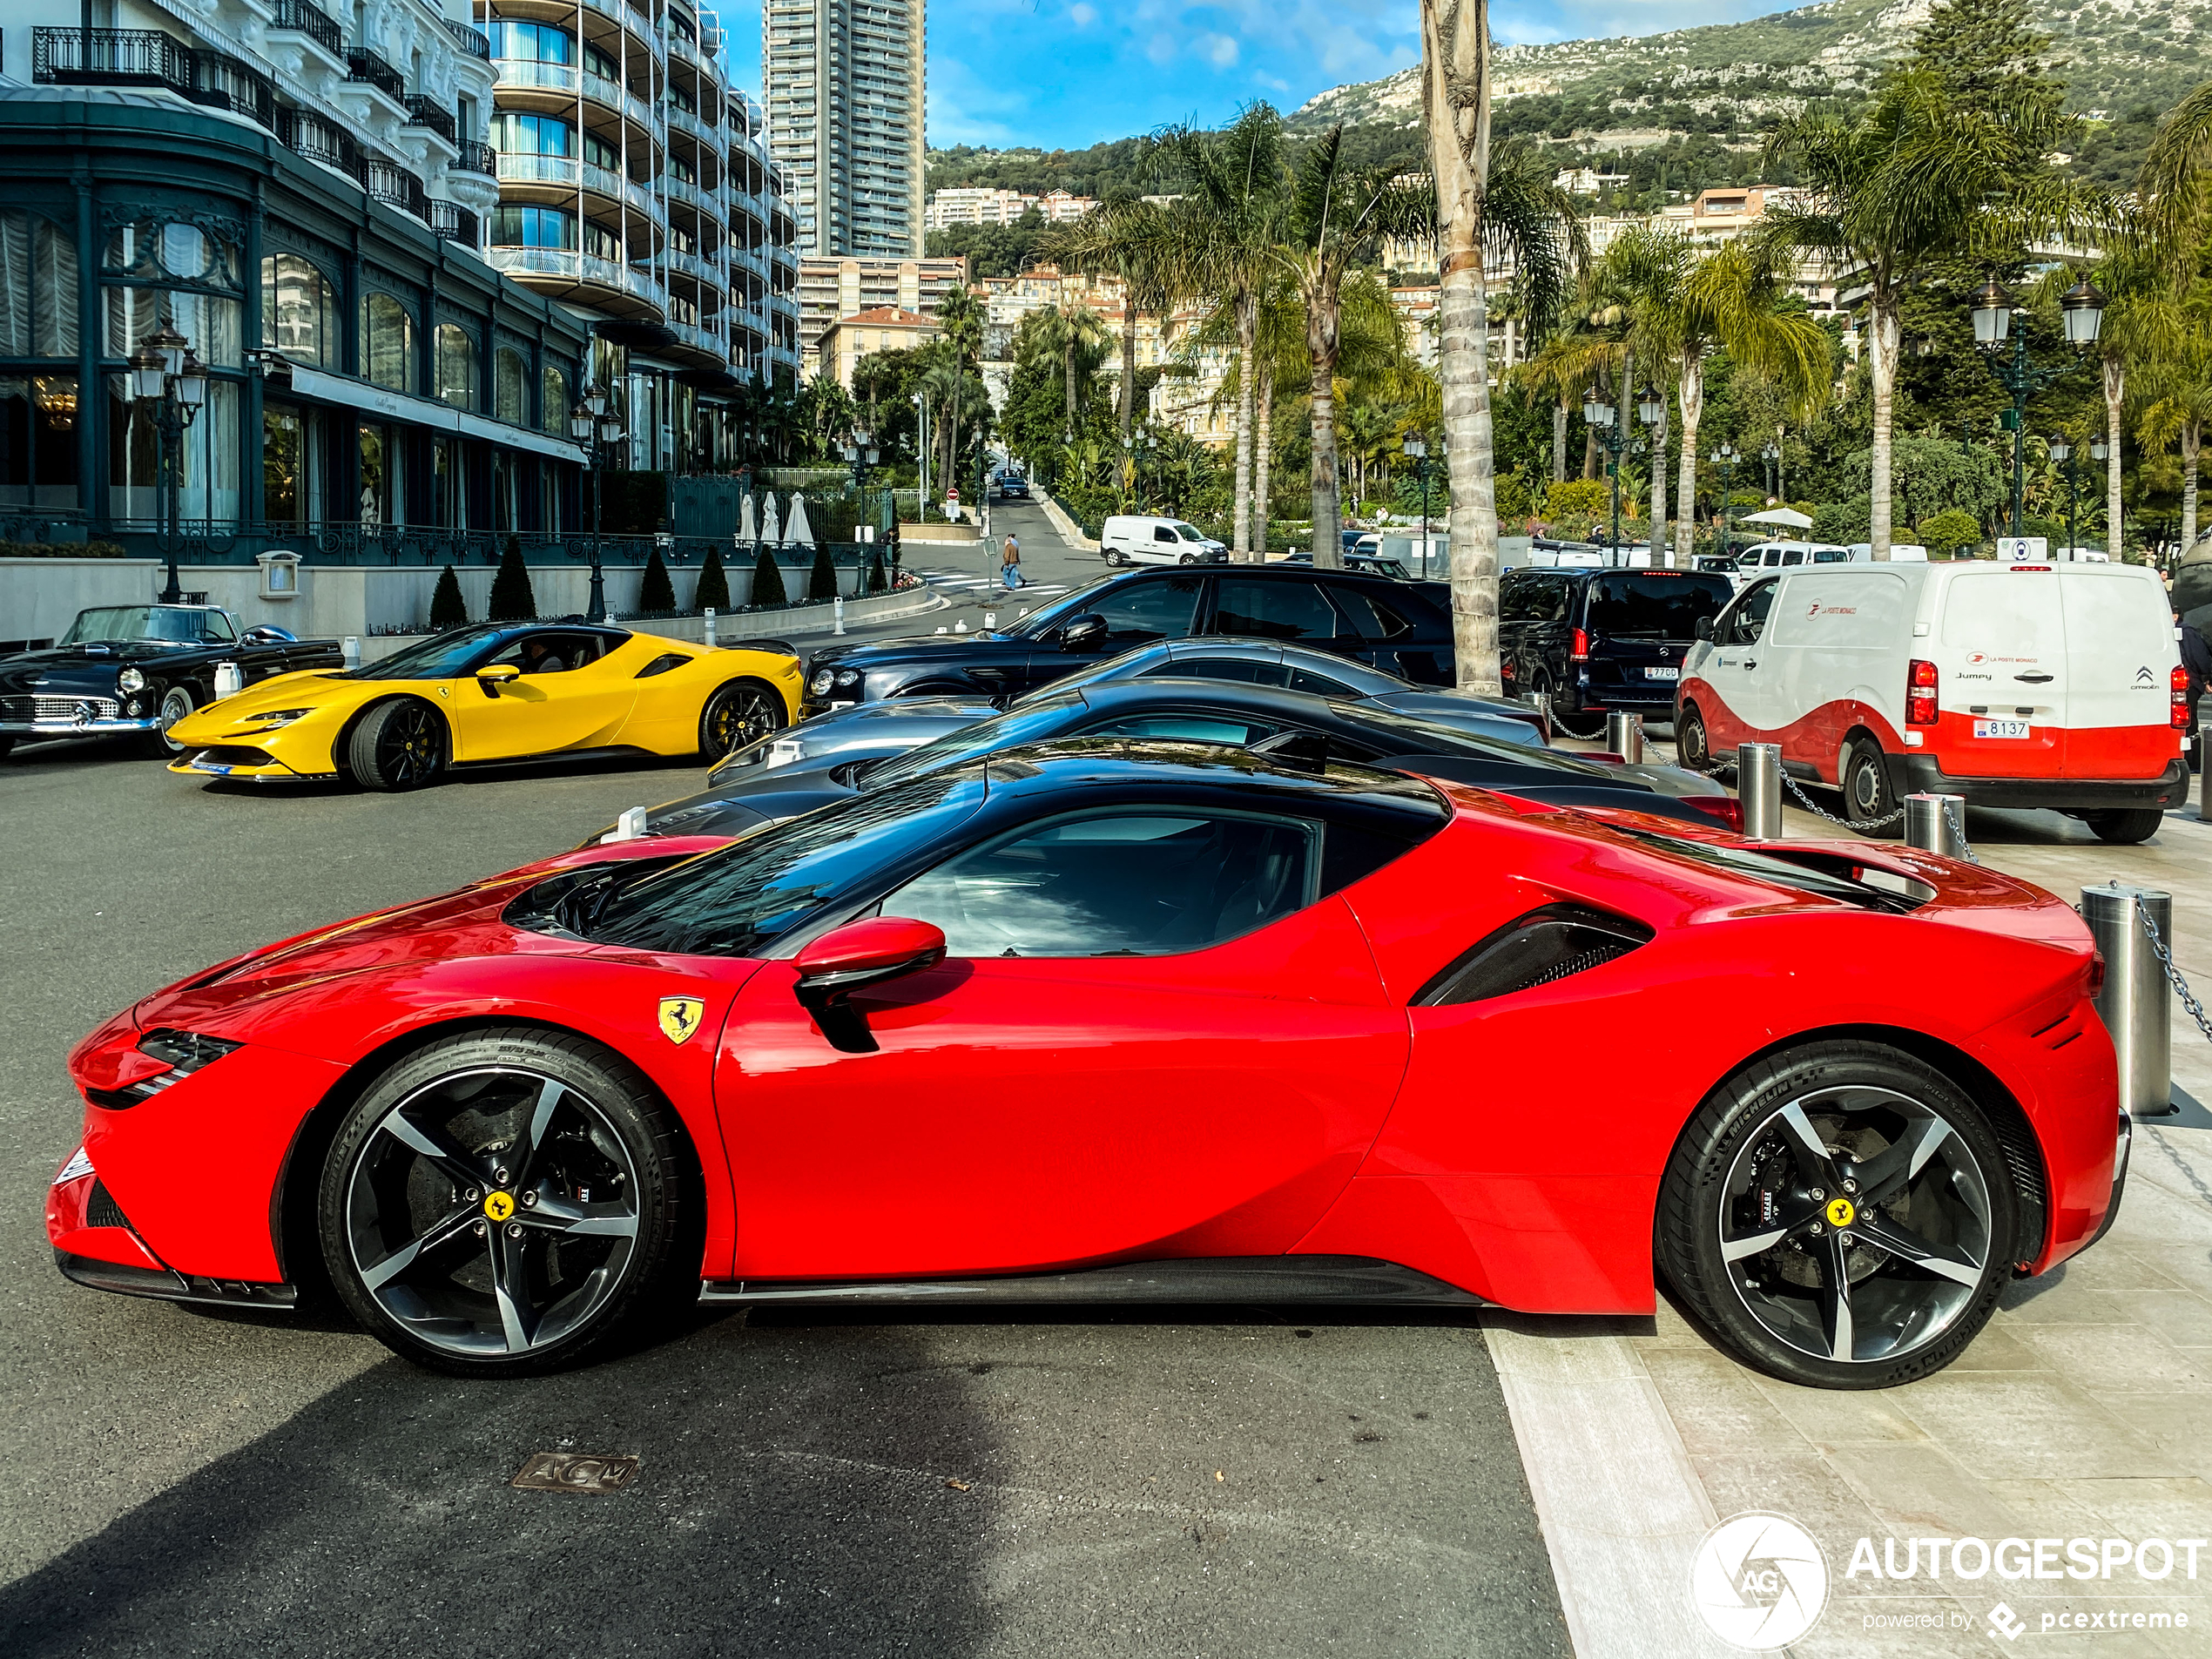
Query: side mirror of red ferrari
x=853, y=957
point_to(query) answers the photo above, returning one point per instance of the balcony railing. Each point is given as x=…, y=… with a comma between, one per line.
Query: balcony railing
x=478, y=157
x=303, y=18
x=221, y=82
x=396, y=186
x=451, y=222
x=110, y=58
x=305, y=134
x=471, y=41
x=362, y=65
x=428, y=113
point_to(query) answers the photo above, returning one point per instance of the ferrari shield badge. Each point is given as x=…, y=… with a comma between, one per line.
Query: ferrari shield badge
x=679, y=1017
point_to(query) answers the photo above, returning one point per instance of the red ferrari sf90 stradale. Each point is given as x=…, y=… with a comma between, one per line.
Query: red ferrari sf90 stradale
x=1127, y=1020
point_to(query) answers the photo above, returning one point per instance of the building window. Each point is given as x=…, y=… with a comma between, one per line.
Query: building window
x=157, y=248
x=209, y=321
x=380, y=475
x=513, y=133
x=553, y=401
x=602, y=154
x=299, y=311
x=388, y=343
x=38, y=297
x=509, y=387
x=602, y=64
x=208, y=479
x=38, y=442
x=536, y=42
x=532, y=228
x=456, y=365
x=604, y=243
x=283, y=467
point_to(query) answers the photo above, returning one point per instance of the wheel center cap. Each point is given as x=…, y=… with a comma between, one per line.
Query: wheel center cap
x=1841, y=1212
x=500, y=1205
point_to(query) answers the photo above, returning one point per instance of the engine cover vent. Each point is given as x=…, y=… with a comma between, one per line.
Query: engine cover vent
x=1547, y=945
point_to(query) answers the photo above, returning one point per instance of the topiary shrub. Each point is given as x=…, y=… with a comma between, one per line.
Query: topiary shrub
x=448, y=607
x=768, y=581
x=713, y=590
x=1949, y=533
x=512, y=599
x=878, y=582
x=656, y=592
x=821, y=586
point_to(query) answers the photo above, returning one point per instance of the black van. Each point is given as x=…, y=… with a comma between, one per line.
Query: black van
x=1601, y=639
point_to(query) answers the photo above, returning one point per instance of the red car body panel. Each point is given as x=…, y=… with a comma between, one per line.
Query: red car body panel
x=1277, y=1093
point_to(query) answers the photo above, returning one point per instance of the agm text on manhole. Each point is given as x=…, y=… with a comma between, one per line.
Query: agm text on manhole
x=575, y=1472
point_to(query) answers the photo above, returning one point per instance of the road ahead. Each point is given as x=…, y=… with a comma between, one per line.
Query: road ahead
x=1232, y=1481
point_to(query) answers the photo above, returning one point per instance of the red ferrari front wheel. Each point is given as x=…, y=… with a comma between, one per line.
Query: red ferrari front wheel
x=1841, y=1216
x=505, y=1202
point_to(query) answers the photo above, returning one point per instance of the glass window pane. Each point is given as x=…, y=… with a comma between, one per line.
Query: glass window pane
x=456, y=365
x=1123, y=884
x=1140, y=612
x=510, y=387
x=53, y=289
x=1273, y=611
x=553, y=400
x=387, y=342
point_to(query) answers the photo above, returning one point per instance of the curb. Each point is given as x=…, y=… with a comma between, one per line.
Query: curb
x=1070, y=532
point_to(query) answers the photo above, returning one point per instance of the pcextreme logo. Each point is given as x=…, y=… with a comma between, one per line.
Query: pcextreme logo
x=1759, y=1581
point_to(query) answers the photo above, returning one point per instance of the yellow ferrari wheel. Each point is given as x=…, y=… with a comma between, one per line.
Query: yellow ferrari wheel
x=735, y=715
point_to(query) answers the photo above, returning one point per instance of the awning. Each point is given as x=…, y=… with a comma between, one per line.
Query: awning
x=427, y=411
x=1788, y=517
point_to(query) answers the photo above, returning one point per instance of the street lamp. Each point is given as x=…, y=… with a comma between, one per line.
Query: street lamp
x=1993, y=313
x=172, y=384
x=2062, y=452
x=591, y=425
x=1772, y=455
x=1726, y=458
x=1417, y=452
x=1605, y=421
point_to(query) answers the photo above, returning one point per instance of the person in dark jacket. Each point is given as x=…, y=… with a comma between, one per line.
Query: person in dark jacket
x=2197, y=661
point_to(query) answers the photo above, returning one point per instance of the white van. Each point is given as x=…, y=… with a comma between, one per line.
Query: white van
x=1130, y=538
x=2026, y=685
x=1768, y=557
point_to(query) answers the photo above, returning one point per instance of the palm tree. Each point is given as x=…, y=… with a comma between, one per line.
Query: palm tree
x=960, y=317
x=1917, y=177
x=1138, y=242
x=1226, y=229
x=2175, y=384
x=1076, y=331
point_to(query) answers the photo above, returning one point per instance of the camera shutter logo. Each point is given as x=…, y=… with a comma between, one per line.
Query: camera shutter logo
x=1759, y=1581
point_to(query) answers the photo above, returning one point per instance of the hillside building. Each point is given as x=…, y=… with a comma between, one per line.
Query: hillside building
x=846, y=341
x=830, y=290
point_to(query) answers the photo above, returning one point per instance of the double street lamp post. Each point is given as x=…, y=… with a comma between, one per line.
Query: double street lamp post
x=2082, y=310
x=1772, y=455
x=598, y=429
x=1417, y=452
x=860, y=454
x=170, y=384
x=1726, y=458
x=2065, y=455
x=1604, y=421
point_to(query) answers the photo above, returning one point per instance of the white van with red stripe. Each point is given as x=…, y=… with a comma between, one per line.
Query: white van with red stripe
x=2025, y=685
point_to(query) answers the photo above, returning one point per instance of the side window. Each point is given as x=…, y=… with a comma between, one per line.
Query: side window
x=1746, y=620
x=1186, y=728
x=1273, y=611
x=1517, y=594
x=1134, y=882
x=1241, y=670
x=1162, y=533
x=1794, y=555
x=1305, y=679
x=1373, y=617
x=1143, y=612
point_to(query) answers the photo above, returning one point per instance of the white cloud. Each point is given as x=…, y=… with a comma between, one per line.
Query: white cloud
x=1082, y=17
x=1221, y=51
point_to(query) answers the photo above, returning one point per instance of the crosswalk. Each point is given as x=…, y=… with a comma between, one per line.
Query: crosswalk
x=967, y=582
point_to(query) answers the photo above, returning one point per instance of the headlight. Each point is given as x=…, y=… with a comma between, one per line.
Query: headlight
x=824, y=678
x=849, y=676
x=130, y=680
x=281, y=717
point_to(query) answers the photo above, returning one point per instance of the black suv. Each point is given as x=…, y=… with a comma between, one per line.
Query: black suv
x=1396, y=626
x=1598, y=639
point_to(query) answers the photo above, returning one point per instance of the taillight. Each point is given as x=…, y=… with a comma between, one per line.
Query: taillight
x=2096, y=975
x=1581, y=651
x=2179, y=680
x=1727, y=808
x=1920, y=693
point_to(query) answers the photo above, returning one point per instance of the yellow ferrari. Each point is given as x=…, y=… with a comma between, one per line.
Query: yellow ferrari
x=492, y=693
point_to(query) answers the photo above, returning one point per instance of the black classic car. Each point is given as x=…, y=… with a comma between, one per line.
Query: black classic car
x=138, y=670
x=1396, y=626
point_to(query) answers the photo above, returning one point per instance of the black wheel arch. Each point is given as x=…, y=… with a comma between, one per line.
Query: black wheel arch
x=293, y=1228
x=342, y=744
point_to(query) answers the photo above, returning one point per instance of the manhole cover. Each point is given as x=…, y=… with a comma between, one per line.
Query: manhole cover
x=575, y=1472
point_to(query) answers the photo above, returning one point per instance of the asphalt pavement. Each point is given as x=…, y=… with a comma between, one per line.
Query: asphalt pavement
x=1227, y=1480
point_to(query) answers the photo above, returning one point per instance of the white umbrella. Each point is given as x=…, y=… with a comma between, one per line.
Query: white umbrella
x=1790, y=518
x=747, y=531
x=801, y=534
x=770, y=529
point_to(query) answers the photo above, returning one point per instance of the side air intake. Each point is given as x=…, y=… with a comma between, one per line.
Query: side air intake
x=1546, y=945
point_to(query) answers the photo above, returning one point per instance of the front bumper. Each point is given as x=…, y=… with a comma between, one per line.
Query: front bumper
x=242, y=765
x=94, y=728
x=1912, y=774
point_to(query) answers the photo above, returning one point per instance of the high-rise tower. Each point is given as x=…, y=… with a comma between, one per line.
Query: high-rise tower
x=844, y=82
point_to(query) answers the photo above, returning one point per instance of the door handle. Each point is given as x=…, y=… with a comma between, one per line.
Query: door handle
x=1750, y=662
x=2034, y=679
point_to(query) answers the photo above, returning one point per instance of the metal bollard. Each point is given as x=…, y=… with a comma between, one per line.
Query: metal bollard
x=349, y=649
x=837, y=616
x=229, y=681
x=1937, y=824
x=2204, y=800
x=1624, y=736
x=1542, y=702
x=711, y=641
x=1758, y=783
x=2135, y=1003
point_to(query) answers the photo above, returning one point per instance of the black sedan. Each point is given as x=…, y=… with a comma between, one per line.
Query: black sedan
x=1292, y=726
x=1394, y=626
x=136, y=670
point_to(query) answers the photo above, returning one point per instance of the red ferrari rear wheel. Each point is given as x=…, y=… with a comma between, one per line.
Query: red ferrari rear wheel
x=1841, y=1216
x=505, y=1202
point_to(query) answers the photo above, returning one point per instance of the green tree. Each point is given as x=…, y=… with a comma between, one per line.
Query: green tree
x=1989, y=59
x=512, y=599
x=1947, y=533
x=821, y=584
x=1079, y=335
x=713, y=590
x=656, y=592
x=448, y=607
x=1137, y=241
x=767, y=581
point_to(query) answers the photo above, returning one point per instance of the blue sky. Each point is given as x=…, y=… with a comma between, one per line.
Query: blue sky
x=1067, y=73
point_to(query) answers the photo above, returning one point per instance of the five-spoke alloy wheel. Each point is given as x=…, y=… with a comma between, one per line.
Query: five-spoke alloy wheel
x=1841, y=1216
x=501, y=1202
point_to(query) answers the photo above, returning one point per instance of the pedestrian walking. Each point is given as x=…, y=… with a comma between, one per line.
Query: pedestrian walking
x=1010, y=562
